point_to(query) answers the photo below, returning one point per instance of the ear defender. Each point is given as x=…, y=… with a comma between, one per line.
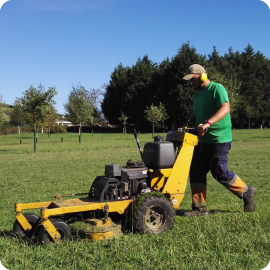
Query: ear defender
x=203, y=77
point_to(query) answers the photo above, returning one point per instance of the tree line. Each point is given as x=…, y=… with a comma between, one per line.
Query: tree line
x=245, y=75
x=148, y=92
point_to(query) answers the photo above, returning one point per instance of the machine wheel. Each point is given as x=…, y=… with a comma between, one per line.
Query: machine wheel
x=21, y=233
x=154, y=215
x=61, y=227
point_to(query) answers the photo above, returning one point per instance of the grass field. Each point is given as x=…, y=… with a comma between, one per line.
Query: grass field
x=227, y=239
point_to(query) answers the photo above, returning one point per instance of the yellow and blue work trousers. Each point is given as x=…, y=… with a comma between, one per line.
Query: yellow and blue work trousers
x=214, y=158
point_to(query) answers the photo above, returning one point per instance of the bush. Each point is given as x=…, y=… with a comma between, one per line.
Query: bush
x=58, y=129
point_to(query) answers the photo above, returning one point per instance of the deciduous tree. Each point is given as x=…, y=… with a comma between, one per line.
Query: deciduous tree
x=153, y=114
x=36, y=104
x=123, y=119
x=80, y=106
x=164, y=115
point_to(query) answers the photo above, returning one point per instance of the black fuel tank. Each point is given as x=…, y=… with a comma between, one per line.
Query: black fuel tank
x=159, y=155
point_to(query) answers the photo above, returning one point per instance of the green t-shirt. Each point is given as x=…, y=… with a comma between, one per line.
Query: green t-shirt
x=206, y=104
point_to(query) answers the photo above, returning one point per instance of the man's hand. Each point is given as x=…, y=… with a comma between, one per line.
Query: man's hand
x=202, y=129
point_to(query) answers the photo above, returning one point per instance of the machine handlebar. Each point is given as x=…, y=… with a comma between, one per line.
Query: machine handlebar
x=193, y=131
x=138, y=143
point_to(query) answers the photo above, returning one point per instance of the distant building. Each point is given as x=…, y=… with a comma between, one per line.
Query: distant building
x=63, y=123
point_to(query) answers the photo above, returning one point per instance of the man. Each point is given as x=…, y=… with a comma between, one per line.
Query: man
x=211, y=108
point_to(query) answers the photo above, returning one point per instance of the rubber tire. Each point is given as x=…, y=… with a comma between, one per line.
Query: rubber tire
x=155, y=215
x=21, y=233
x=61, y=227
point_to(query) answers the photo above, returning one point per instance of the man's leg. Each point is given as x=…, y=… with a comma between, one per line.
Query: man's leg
x=230, y=180
x=198, y=171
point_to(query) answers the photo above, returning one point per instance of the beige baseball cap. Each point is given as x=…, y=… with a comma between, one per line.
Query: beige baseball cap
x=194, y=69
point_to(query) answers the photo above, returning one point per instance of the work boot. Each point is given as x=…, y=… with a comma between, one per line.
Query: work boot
x=249, y=199
x=197, y=212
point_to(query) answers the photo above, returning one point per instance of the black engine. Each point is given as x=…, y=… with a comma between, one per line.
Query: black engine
x=120, y=183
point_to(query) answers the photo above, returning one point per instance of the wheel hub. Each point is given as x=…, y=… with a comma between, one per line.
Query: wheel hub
x=155, y=218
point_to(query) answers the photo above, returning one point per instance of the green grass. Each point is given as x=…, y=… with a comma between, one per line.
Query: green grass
x=226, y=239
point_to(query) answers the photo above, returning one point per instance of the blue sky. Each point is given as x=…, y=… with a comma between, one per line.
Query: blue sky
x=65, y=42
